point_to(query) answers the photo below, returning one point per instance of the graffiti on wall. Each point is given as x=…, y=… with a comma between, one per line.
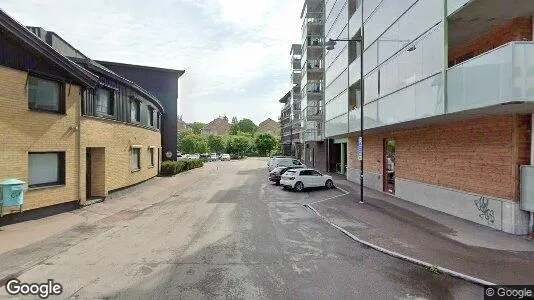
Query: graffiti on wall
x=482, y=204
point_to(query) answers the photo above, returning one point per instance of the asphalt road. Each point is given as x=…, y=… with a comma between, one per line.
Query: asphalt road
x=233, y=235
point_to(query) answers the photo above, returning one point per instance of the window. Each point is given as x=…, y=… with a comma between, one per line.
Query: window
x=150, y=116
x=135, y=108
x=46, y=168
x=150, y=157
x=296, y=162
x=135, y=159
x=306, y=173
x=105, y=102
x=158, y=120
x=45, y=95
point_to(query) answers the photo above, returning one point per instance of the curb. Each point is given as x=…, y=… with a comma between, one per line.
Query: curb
x=452, y=273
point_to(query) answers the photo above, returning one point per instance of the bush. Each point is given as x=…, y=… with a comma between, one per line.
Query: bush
x=169, y=168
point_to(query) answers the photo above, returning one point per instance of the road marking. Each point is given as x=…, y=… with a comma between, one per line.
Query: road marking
x=333, y=197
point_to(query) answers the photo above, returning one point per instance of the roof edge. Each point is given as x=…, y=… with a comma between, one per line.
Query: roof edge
x=112, y=63
x=33, y=41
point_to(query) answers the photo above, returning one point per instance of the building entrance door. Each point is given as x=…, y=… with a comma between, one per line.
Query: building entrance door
x=389, y=166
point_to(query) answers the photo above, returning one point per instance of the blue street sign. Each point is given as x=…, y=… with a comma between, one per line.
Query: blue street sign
x=360, y=148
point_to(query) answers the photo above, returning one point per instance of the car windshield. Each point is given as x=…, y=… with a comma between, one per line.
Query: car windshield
x=290, y=172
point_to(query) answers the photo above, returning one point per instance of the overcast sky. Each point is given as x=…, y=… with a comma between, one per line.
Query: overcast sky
x=235, y=52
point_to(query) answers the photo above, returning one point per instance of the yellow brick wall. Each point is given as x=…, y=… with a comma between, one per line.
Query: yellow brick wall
x=23, y=130
x=118, y=138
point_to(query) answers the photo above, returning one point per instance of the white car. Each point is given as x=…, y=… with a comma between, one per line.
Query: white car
x=193, y=156
x=270, y=160
x=225, y=156
x=285, y=162
x=300, y=179
x=214, y=157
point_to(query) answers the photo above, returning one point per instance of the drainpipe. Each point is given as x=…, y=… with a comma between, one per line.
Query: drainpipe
x=78, y=143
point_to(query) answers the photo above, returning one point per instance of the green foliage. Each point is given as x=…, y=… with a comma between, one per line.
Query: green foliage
x=194, y=143
x=216, y=143
x=265, y=143
x=239, y=144
x=197, y=127
x=169, y=168
x=181, y=135
x=245, y=126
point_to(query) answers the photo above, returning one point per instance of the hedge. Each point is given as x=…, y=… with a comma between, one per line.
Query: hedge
x=170, y=168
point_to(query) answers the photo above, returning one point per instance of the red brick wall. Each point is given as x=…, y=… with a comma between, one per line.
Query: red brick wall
x=517, y=29
x=480, y=155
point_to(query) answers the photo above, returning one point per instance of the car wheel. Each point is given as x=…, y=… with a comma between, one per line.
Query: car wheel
x=299, y=186
x=329, y=184
x=277, y=183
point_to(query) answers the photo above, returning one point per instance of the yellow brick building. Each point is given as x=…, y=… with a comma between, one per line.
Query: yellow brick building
x=72, y=130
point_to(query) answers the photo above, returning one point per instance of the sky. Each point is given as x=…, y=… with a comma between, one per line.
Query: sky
x=235, y=53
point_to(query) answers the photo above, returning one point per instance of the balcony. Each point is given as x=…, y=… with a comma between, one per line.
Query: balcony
x=314, y=113
x=313, y=65
x=296, y=64
x=502, y=75
x=312, y=135
x=296, y=77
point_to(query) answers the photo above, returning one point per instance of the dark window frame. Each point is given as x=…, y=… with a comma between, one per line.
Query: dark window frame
x=111, y=105
x=150, y=111
x=61, y=169
x=62, y=97
x=137, y=103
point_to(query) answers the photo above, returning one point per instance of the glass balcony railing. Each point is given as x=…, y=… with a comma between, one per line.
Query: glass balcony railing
x=502, y=75
x=310, y=135
x=314, y=87
x=314, y=41
x=314, y=65
x=314, y=113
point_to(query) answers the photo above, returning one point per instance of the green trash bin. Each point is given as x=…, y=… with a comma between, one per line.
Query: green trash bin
x=12, y=192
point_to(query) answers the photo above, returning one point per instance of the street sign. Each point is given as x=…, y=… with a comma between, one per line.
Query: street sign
x=360, y=148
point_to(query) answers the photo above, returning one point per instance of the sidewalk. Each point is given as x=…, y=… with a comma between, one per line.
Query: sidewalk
x=120, y=204
x=431, y=236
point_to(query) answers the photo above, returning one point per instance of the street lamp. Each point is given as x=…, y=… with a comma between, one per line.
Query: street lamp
x=330, y=45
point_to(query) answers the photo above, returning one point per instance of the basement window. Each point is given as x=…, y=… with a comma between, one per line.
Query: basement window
x=46, y=169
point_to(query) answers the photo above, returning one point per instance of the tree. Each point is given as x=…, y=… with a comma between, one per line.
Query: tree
x=265, y=143
x=215, y=143
x=238, y=144
x=194, y=143
x=197, y=127
x=181, y=135
x=245, y=125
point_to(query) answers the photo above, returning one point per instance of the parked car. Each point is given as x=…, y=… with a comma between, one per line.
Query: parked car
x=214, y=157
x=273, y=157
x=285, y=162
x=300, y=179
x=225, y=156
x=276, y=174
x=193, y=156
